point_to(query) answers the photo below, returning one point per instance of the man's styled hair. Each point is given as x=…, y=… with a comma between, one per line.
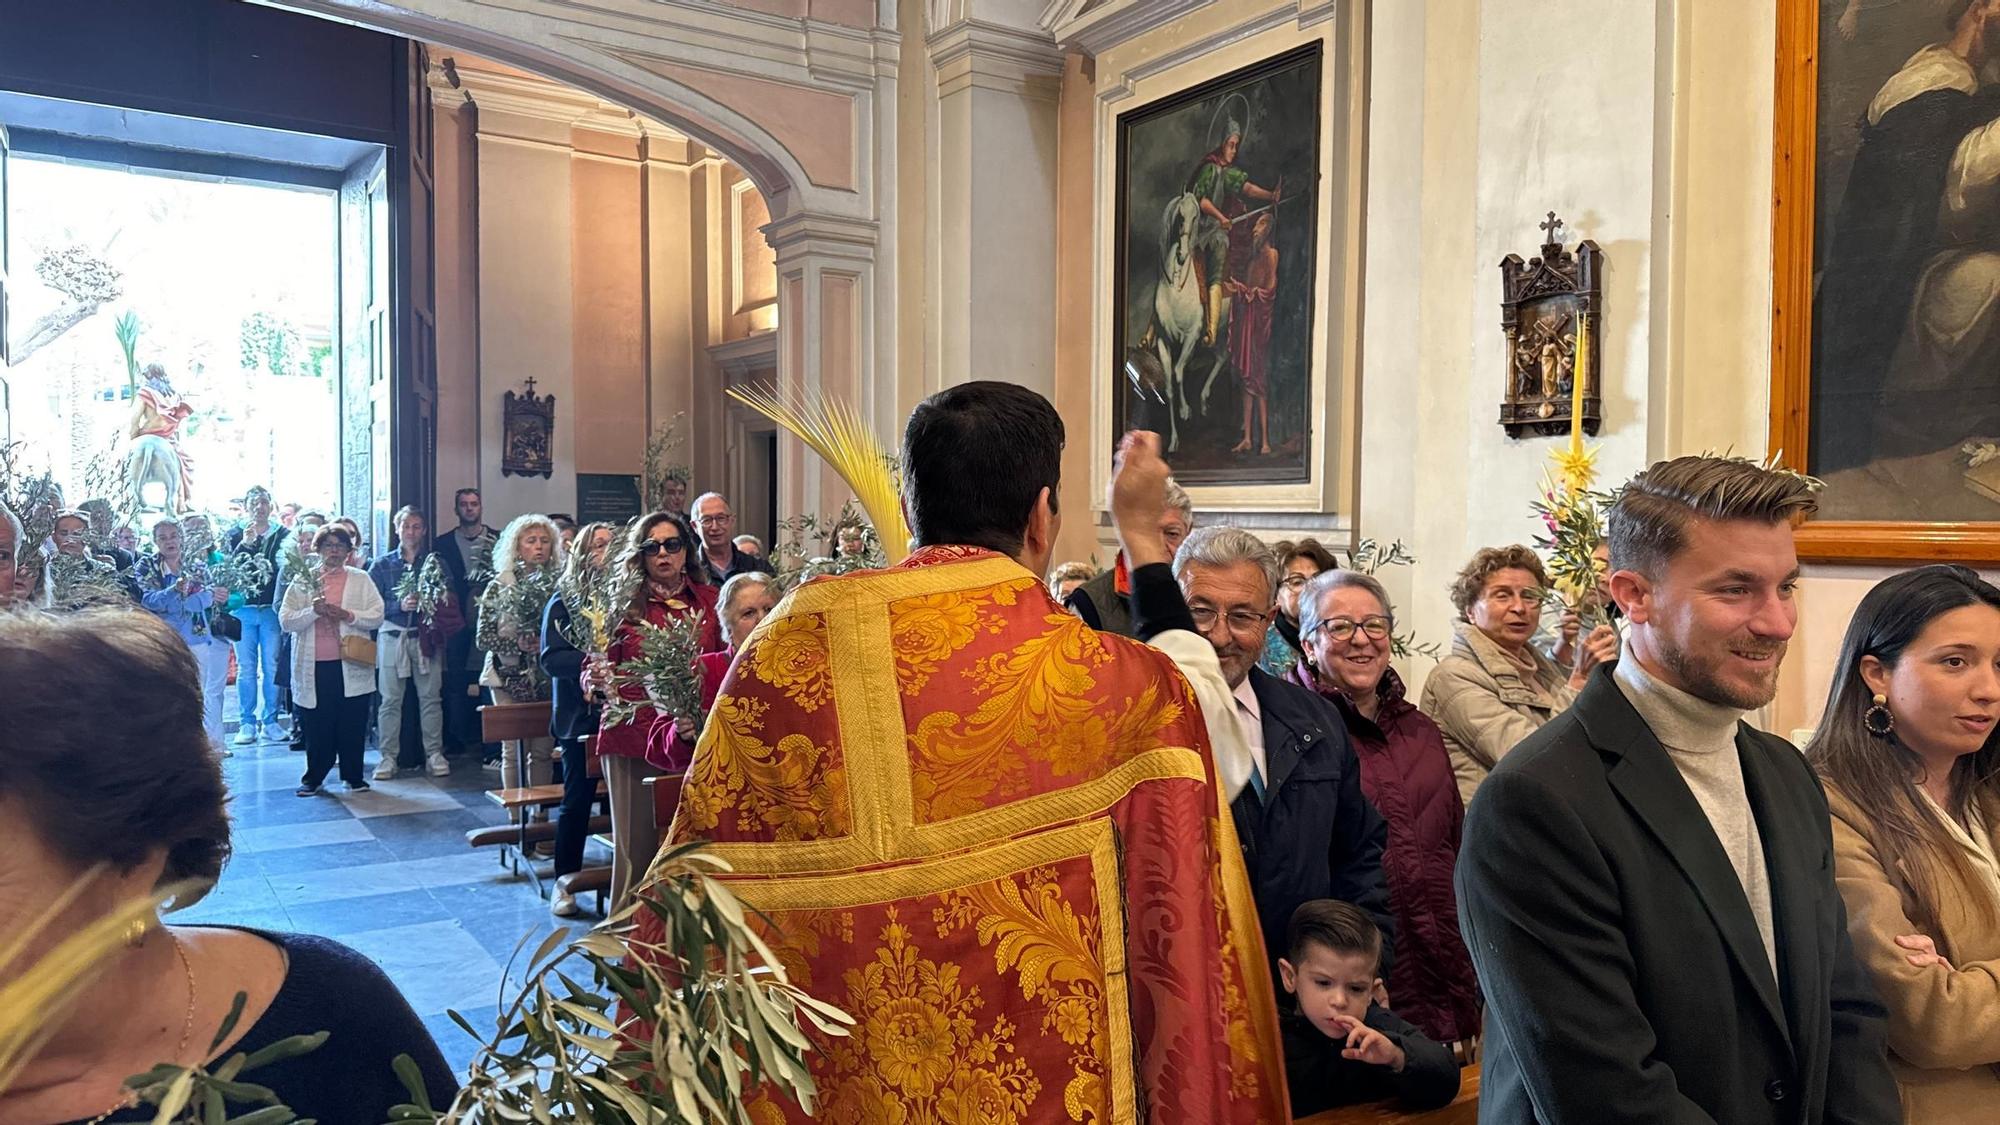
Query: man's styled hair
x=462, y=494
x=694, y=507
x=1227, y=546
x=1487, y=561
x=1178, y=500
x=1339, y=926
x=1648, y=524
x=975, y=456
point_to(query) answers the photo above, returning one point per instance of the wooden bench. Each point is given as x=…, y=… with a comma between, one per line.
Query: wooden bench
x=1464, y=1110
x=590, y=880
x=514, y=722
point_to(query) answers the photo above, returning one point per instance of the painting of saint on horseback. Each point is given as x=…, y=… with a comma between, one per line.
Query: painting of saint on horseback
x=1217, y=216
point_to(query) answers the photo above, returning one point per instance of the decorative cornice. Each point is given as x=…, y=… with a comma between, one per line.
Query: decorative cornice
x=803, y=234
x=976, y=53
x=755, y=352
x=1096, y=26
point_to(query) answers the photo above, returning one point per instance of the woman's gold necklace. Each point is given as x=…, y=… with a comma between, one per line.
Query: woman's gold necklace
x=130, y=1098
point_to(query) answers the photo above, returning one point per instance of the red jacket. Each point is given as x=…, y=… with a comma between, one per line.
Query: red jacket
x=1407, y=776
x=666, y=748
x=628, y=740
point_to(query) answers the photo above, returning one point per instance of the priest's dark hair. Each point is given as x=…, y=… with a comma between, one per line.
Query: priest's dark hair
x=1876, y=772
x=103, y=750
x=975, y=457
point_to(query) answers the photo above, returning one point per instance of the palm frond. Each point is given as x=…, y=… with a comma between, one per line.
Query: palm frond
x=838, y=433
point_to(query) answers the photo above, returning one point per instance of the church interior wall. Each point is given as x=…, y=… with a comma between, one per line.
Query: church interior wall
x=1656, y=142
x=603, y=254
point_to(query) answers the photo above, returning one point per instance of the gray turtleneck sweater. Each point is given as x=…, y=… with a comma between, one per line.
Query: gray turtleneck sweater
x=1700, y=737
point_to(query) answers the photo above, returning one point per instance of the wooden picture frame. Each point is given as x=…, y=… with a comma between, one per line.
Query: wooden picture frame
x=1795, y=224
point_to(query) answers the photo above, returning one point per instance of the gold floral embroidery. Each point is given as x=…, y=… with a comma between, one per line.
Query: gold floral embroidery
x=1053, y=948
x=917, y=1055
x=926, y=631
x=1038, y=705
x=797, y=789
x=792, y=656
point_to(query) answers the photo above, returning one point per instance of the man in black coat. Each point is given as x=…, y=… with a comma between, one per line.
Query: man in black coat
x=1646, y=883
x=466, y=552
x=1306, y=829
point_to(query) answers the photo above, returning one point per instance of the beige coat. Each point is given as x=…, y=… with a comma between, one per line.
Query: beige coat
x=1479, y=700
x=1944, y=1024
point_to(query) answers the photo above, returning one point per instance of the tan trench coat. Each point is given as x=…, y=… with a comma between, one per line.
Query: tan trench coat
x=1478, y=698
x=1944, y=1024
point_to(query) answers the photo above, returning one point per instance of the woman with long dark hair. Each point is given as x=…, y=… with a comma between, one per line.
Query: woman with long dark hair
x=1909, y=749
x=661, y=571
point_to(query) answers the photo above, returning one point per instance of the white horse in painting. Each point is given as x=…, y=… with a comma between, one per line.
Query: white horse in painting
x=1177, y=308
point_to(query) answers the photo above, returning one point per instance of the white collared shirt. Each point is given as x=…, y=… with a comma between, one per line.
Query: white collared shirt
x=1253, y=725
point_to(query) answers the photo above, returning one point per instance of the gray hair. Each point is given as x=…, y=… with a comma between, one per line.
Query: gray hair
x=694, y=509
x=12, y=522
x=1326, y=582
x=1179, y=501
x=1227, y=546
x=741, y=582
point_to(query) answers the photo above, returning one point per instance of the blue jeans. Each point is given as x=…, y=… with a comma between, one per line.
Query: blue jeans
x=257, y=665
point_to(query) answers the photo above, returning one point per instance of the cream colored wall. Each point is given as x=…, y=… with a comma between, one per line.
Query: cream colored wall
x=602, y=253
x=1646, y=125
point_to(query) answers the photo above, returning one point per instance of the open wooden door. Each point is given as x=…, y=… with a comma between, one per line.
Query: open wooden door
x=365, y=341
x=413, y=422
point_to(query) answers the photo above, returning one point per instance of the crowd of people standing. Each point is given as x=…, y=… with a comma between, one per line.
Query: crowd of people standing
x=400, y=651
x=1564, y=859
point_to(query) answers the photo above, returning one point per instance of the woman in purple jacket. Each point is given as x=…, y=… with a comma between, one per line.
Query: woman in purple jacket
x=1345, y=622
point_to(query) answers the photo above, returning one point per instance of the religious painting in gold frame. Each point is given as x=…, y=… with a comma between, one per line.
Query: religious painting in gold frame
x=1885, y=365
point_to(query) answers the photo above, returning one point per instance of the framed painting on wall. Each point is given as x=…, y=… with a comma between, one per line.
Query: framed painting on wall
x=1214, y=236
x=1886, y=275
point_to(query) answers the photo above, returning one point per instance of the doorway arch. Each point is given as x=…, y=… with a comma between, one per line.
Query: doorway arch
x=802, y=105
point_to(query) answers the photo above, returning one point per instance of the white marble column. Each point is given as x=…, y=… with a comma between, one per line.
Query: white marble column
x=998, y=79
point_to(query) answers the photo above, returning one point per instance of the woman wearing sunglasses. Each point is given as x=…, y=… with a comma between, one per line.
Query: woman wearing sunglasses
x=662, y=582
x=1345, y=622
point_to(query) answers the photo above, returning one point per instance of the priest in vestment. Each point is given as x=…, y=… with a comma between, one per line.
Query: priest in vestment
x=995, y=836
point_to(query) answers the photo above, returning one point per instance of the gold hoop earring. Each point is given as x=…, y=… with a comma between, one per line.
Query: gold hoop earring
x=135, y=933
x=1878, y=720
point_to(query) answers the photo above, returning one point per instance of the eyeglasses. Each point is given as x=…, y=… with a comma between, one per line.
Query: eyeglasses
x=1504, y=596
x=655, y=546
x=1294, y=581
x=1341, y=628
x=1241, y=621
x=716, y=520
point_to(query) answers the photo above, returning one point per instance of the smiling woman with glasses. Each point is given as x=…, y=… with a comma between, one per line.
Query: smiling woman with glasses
x=1348, y=622
x=662, y=582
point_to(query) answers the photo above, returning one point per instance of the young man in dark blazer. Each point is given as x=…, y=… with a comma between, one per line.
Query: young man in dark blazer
x=1646, y=883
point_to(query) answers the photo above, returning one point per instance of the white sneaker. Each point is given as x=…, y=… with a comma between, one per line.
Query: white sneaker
x=564, y=905
x=246, y=735
x=386, y=771
x=438, y=766
x=274, y=733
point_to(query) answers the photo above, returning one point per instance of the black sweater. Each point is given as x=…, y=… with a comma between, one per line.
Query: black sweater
x=351, y=1079
x=1320, y=1078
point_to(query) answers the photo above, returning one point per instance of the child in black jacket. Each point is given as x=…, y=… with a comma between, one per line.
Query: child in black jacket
x=1340, y=1046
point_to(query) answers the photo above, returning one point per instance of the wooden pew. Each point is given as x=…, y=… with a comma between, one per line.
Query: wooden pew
x=666, y=791
x=1464, y=1110
x=505, y=722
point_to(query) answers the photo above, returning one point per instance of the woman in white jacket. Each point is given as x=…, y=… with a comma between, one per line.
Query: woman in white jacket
x=332, y=694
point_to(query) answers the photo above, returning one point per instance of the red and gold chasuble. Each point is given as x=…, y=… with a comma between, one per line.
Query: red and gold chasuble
x=994, y=836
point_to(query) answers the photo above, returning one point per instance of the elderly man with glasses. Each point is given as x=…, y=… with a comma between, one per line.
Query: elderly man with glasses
x=722, y=558
x=1307, y=830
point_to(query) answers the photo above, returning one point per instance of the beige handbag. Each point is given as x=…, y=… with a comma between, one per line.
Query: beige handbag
x=357, y=650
